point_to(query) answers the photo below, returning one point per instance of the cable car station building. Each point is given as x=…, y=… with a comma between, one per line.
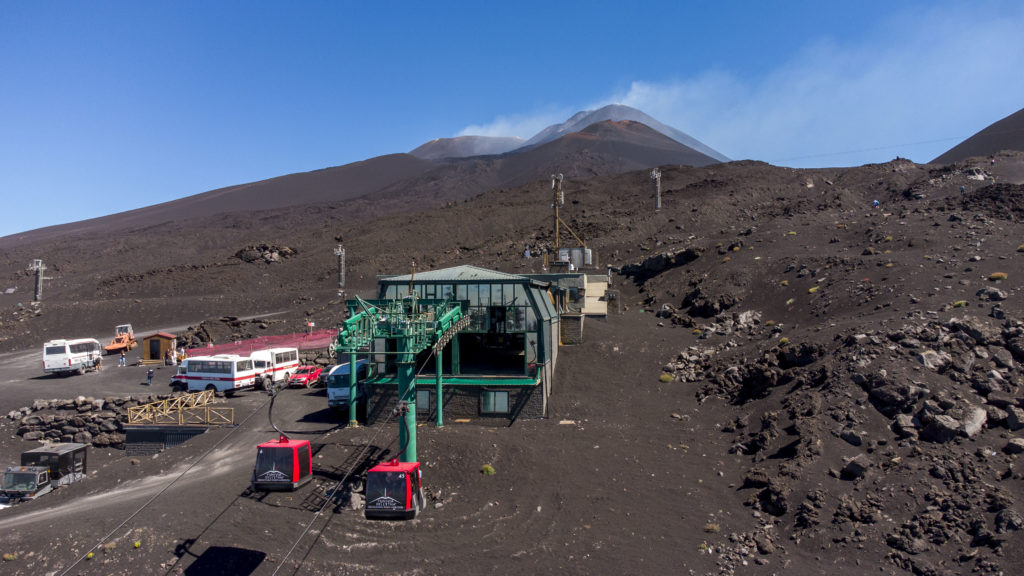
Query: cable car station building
x=500, y=367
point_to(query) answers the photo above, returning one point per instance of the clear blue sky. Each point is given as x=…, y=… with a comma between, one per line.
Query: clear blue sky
x=109, y=106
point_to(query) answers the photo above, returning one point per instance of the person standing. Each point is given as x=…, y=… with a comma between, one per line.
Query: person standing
x=122, y=361
x=149, y=377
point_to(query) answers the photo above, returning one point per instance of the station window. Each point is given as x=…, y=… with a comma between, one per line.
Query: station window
x=422, y=401
x=493, y=402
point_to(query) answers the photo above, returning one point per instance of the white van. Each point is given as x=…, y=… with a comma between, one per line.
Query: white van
x=71, y=356
x=338, y=384
x=225, y=373
x=275, y=365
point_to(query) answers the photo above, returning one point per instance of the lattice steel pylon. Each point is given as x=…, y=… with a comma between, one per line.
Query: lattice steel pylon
x=340, y=253
x=415, y=325
x=39, y=268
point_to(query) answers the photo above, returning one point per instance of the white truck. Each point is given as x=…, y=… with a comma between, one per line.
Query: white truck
x=71, y=356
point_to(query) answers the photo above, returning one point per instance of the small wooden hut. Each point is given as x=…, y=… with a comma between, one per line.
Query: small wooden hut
x=155, y=347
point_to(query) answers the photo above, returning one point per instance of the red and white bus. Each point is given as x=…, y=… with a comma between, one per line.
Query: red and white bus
x=275, y=365
x=225, y=373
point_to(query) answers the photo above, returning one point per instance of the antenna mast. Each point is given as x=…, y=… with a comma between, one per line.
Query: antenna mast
x=340, y=253
x=557, y=200
x=656, y=176
x=39, y=268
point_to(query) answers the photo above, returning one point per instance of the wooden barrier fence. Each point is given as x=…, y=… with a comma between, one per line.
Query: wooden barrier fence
x=195, y=409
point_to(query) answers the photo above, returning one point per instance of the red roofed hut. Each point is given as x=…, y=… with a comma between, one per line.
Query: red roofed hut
x=155, y=347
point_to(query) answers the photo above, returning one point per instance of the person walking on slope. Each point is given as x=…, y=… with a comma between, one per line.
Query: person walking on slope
x=122, y=360
x=149, y=377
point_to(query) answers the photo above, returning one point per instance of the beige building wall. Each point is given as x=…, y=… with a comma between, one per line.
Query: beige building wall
x=595, y=304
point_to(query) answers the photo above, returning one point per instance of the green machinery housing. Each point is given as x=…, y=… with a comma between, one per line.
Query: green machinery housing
x=412, y=326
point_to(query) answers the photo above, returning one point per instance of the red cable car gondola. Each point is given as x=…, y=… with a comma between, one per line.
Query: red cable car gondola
x=394, y=490
x=282, y=464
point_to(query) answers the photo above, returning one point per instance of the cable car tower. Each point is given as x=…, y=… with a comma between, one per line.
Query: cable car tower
x=415, y=325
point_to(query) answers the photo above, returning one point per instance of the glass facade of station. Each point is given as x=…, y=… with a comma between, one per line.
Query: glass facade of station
x=499, y=367
x=511, y=320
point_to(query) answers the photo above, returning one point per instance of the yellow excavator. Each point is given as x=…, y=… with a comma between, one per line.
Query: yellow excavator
x=123, y=340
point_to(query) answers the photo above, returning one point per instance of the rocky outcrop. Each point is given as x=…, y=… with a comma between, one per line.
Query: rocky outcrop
x=701, y=304
x=87, y=420
x=658, y=263
x=265, y=253
x=947, y=389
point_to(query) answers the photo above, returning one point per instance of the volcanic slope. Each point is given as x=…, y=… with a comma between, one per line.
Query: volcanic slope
x=793, y=381
x=603, y=148
x=396, y=182
x=333, y=184
x=464, y=146
x=618, y=113
x=1006, y=134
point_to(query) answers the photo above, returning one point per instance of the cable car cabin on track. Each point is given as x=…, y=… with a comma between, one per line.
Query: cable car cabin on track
x=394, y=490
x=282, y=464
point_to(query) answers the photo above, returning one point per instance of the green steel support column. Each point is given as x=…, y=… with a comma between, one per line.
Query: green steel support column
x=456, y=361
x=526, y=354
x=438, y=398
x=406, y=365
x=352, y=391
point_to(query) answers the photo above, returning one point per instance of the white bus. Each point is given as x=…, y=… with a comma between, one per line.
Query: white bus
x=275, y=365
x=225, y=373
x=71, y=356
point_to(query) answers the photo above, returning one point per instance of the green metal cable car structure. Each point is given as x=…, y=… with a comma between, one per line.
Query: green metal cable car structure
x=415, y=325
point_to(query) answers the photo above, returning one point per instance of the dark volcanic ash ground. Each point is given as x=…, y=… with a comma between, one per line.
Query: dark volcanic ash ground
x=796, y=382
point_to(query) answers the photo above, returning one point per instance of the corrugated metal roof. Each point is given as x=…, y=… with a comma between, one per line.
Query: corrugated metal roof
x=465, y=273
